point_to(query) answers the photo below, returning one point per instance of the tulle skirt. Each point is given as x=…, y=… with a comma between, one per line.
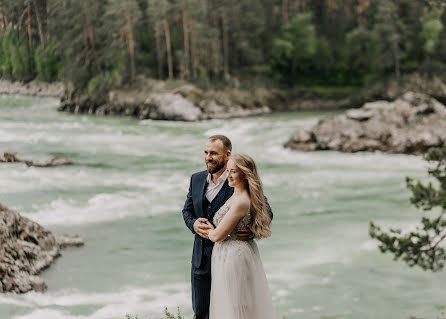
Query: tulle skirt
x=239, y=287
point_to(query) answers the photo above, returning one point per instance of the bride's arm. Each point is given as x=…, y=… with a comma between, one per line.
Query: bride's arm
x=226, y=226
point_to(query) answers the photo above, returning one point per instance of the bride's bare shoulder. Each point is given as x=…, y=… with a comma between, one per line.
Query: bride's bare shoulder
x=241, y=202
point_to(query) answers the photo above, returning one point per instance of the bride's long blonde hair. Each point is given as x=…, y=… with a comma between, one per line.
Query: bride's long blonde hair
x=260, y=224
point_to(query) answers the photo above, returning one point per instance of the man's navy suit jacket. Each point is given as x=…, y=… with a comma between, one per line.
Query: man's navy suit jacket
x=193, y=209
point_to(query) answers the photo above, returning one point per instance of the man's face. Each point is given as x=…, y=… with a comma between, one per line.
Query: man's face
x=215, y=156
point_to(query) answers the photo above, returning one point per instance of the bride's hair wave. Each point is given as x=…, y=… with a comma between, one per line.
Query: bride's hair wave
x=260, y=224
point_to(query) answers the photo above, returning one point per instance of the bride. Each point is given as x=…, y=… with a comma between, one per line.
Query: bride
x=239, y=288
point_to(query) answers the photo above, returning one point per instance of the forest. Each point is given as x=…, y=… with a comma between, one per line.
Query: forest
x=103, y=43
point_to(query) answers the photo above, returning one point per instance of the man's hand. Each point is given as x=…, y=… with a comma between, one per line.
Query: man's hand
x=201, y=227
x=245, y=234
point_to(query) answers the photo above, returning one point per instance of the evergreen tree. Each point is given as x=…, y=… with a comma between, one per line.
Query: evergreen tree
x=432, y=27
x=423, y=247
x=100, y=43
x=363, y=51
x=390, y=28
x=294, y=49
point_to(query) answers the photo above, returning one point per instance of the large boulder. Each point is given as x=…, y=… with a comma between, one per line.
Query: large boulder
x=26, y=248
x=411, y=124
x=171, y=106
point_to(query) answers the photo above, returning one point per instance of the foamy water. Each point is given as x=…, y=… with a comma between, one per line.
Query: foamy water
x=125, y=193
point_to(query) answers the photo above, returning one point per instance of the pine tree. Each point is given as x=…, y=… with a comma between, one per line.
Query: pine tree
x=423, y=247
x=390, y=29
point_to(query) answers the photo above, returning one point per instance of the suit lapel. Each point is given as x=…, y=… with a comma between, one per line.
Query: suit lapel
x=202, y=190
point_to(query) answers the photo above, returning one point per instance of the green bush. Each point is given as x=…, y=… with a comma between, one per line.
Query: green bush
x=166, y=313
x=14, y=57
x=46, y=63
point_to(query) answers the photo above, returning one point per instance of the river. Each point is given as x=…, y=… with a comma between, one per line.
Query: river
x=125, y=193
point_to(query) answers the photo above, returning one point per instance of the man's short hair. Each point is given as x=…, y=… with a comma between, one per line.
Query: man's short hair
x=226, y=141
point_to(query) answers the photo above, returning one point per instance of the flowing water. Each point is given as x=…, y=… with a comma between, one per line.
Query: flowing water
x=125, y=193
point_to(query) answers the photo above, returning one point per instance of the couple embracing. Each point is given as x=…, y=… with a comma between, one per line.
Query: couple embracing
x=225, y=208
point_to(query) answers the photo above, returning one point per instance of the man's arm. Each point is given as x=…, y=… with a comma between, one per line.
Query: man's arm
x=246, y=234
x=196, y=225
x=188, y=210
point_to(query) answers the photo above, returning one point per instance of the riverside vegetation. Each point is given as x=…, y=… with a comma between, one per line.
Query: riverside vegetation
x=103, y=45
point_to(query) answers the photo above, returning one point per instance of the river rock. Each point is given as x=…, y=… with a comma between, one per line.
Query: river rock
x=69, y=241
x=410, y=124
x=171, y=106
x=26, y=248
x=11, y=157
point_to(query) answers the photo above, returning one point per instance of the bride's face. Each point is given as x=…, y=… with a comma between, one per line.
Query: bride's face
x=235, y=176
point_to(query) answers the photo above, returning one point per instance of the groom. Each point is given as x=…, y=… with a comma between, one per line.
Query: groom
x=208, y=191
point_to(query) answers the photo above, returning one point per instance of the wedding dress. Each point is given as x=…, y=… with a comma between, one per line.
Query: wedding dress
x=239, y=289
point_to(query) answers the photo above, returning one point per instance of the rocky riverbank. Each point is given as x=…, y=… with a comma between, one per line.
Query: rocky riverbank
x=411, y=124
x=170, y=100
x=34, y=88
x=26, y=248
x=180, y=100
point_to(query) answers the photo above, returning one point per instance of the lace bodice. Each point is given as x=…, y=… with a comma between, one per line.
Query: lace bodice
x=242, y=224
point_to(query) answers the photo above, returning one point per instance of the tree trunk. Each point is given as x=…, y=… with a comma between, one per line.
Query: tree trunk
x=89, y=30
x=225, y=46
x=285, y=11
x=39, y=25
x=3, y=21
x=361, y=9
x=159, y=55
x=130, y=45
x=186, y=44
x=168, y=48
x=396, y=60
x=193, y=53
x=28, y=27
x=294, y=7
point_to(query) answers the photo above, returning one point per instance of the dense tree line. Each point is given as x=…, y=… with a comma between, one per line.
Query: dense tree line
x=97, y=43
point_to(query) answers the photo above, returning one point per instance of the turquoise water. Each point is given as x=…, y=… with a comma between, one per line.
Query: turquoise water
x=125, y=194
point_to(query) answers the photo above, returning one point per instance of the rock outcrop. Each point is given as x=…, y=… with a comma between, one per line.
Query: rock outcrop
x=26, y=248
x=11, y=157
x=411, y=124
x=176, y=100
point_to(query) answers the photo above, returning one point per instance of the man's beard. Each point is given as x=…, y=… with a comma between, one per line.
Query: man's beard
x=214, y=169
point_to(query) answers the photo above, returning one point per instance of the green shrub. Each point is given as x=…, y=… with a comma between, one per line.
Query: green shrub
x=14, y=56
x=46, y=63
x=166, y=313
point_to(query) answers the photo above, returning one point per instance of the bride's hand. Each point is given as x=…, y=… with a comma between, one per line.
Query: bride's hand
x=209, y=228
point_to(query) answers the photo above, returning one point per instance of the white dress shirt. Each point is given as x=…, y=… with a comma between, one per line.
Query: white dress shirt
x=213, y=189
